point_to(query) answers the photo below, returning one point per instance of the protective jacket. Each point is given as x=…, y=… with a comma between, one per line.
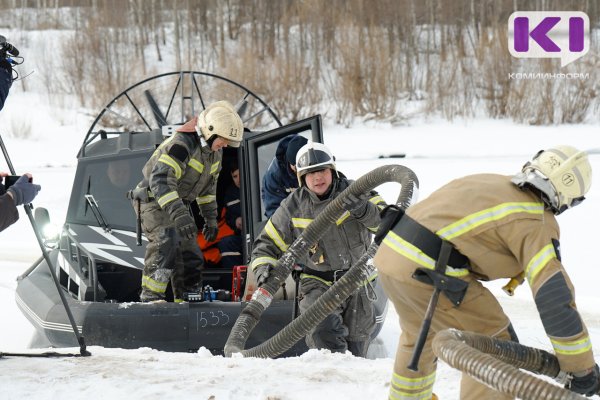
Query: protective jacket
x=8, y=211
x=279, y=181
x=182, y=169
x=350, y=326
x=503, y=231
x=339, y=247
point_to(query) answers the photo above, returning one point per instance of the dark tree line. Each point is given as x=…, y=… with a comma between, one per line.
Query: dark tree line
x=381, y=59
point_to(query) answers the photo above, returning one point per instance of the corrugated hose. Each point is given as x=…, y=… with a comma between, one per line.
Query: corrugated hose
x=496, y=363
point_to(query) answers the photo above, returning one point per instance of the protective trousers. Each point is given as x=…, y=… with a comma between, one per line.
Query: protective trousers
x=479, y=312
x=168, y=257
x=349, y=327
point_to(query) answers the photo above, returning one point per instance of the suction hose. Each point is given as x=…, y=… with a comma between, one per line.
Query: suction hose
x=349, y=283
x=496, y=363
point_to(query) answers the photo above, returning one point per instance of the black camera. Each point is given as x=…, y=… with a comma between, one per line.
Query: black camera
x=10, y=180
x=6, y=47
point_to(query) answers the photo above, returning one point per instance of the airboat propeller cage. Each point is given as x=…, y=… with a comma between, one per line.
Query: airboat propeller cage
x=221, y=119
x=99, y=270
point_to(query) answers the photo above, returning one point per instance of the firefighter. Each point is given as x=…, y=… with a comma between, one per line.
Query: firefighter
x=493, y=227
x=184, y=168
x=350, y=326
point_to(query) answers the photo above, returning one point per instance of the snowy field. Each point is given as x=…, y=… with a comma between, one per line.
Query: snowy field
x=437, y=151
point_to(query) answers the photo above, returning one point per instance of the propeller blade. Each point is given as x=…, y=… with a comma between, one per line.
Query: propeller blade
x=160, y=118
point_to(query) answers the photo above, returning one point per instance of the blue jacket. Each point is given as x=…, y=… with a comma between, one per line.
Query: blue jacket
x=5, y=83
x=233, y=208
x=279, y=180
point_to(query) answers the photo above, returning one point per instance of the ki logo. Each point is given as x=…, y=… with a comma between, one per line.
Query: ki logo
x=544, y=34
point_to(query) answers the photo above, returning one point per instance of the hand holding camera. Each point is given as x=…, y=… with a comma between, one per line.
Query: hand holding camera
x=21, y=188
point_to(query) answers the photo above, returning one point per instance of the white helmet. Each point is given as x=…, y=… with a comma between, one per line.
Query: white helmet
x=562, y=174
x=221, y=119
x=313, y=156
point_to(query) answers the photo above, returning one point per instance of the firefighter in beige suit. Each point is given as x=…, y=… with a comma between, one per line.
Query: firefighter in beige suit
x=498, y=227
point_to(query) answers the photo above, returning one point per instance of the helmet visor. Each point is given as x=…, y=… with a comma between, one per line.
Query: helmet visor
x=313, y=158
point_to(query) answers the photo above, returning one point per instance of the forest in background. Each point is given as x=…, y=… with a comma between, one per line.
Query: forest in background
x=387, y=60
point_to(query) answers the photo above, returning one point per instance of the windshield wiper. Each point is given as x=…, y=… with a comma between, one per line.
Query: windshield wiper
x=97, y=213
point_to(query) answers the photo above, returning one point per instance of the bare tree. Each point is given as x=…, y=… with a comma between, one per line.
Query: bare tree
x=351, y=58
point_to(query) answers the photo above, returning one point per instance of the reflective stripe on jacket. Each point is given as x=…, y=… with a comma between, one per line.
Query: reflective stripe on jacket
x=185, y=173
x=339, y=247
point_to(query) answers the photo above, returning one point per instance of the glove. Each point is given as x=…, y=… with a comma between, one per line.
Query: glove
x=356, y=205
x=186, y=226
x=210, y=232
x=23, y=191
x=586, y=383
x=262, y=273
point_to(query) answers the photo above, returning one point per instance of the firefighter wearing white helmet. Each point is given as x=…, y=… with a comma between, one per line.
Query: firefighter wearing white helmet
x=184, y=168
x=220, y=119
x=313, y=156
x=351, y=325
x=493, y=227
x=562, y=174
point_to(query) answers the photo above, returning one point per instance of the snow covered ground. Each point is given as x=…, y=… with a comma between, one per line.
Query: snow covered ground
x=437, y=151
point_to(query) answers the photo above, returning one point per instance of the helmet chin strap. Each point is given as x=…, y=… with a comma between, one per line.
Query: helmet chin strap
x=210, y=141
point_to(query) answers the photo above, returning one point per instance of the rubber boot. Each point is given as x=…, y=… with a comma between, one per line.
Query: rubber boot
x=358, y=349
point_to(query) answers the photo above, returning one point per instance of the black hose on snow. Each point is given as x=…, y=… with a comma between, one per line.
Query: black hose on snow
x=496, y=363
x=335, y=295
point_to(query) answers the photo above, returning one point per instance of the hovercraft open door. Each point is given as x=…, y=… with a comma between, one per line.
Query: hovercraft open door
x=257, y=153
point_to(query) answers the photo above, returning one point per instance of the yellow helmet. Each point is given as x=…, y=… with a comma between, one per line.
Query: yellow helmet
x=221, y=119
x=562, y=174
